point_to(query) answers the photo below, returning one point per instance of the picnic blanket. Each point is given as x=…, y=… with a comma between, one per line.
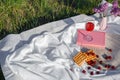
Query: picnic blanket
x=46, y=52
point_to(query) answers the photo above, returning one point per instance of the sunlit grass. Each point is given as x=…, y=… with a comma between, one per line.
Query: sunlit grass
x=19, y=15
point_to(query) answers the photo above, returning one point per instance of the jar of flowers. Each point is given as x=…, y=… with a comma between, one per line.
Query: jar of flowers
x=102, y=9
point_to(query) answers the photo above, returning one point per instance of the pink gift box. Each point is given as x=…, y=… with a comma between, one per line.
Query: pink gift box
x=91, y=38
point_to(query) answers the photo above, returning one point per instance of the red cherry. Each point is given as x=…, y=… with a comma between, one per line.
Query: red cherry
x=109, y=57
x=89, y=26
x=97, y=72
x=110, y=50
x=106, y=57
x=83, y=71
x=113, y=67
x=88, y=67
x=100, y=62
x=91, y=73
x=97, y=56
x=99, y=68
x=107, y=66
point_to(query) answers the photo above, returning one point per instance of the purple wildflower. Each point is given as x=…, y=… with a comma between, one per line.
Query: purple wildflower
x=101, y=8
x=115, y=4
x=115, y=11
x=115, y=8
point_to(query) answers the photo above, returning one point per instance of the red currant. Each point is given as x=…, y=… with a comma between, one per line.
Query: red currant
x=89, y=26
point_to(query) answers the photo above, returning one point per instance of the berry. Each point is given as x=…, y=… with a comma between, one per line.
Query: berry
x=97, y=72
x=92, y=54
x=89, y=26
x=100, y=62
x=107, y=66
x=97, y=56
x=88, y=67
x=99, y=68
x=109, y=57
x=113, y=67
x=106, y=57
x=110, y=50
x=83, y=71
x=91, y=73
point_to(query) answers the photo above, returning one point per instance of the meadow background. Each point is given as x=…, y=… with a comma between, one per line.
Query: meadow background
x=20, y=15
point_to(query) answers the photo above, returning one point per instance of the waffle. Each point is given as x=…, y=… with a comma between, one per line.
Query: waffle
x=82, y=57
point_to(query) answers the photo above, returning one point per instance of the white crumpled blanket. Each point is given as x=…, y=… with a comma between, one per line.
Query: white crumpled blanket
x=48, y=56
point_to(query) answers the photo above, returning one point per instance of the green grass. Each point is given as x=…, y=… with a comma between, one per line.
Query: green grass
x=20, y=15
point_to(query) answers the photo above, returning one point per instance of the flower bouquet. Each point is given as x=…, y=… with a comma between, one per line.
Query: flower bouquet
x=102, y=9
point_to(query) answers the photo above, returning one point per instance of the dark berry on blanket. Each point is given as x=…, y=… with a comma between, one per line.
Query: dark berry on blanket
x=97, y=72
x=110, y=50
x=99, y=68
x=109, y=57
x=113, y=67
x=91, y=73
x=100, y=62
x=88, y=67
x=97, y=56
x=83, y=71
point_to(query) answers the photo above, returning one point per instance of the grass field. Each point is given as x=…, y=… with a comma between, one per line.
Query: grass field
x=20, y=15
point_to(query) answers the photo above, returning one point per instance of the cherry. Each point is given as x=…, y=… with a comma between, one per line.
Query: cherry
x=97, y=72
x=109, y=57
x=113, y=67
x=91, y=73
x=100, y=62
x=99, y=68
x=89, y=26
x=106, y=57
x=83, y=71
x=110, y=50
x=97, y=56
x=107, y=66
x=88, y=67
x=91, y=62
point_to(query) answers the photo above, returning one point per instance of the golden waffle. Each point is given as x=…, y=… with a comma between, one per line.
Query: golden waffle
x=80, y=58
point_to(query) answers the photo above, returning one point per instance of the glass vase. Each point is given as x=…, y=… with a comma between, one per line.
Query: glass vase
x=103, y=24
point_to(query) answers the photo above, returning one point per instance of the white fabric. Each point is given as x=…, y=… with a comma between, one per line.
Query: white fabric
x=48, y=56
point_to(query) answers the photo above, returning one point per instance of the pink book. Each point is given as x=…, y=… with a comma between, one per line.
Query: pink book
x=91, y=38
